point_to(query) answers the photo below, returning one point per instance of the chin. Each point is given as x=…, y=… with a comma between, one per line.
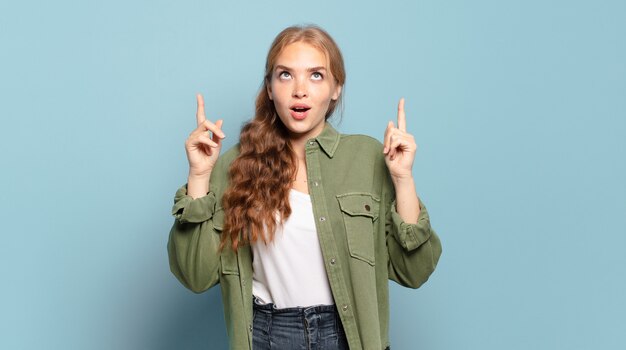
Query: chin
x=302, y=127
x=298, y=129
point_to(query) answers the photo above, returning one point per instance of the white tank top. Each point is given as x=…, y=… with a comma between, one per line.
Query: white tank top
x=289, y=271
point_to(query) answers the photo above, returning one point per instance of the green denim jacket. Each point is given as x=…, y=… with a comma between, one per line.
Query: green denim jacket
x=364, y=240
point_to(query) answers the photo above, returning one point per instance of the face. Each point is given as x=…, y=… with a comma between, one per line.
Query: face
x=302, y=88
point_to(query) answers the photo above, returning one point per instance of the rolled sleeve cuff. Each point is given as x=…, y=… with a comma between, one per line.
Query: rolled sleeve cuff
x=189, y=210
x=411, y=236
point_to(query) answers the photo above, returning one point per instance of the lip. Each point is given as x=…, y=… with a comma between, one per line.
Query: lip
x=300, y=105
x=299, y=115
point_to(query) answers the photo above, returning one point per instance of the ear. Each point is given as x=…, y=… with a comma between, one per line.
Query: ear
x=337, y=92
x=269, y=90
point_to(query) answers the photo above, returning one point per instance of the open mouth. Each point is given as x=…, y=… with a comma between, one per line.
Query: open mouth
x=300, y=109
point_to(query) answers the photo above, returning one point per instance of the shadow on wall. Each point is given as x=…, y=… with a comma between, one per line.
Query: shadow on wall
x=193, y=319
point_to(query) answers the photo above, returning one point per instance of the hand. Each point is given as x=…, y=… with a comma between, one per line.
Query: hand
x=202, y=149
x=399, y=147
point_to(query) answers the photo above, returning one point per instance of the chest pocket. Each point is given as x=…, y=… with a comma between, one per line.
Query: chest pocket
x=359, y=212
x=228, y=259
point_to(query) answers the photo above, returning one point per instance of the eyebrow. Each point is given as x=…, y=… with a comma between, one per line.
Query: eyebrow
x=312, y=69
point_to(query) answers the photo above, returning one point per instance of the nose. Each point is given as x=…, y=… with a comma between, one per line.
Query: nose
x=299, y=89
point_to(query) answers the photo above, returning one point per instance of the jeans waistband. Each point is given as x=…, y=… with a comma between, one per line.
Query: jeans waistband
x=271, y=308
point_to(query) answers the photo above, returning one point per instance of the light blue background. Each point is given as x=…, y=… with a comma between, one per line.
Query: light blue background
x=518, y=108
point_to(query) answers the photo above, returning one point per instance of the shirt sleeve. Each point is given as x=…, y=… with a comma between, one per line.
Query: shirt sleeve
x=414, y=249
x=194, y=239
x=186, y=209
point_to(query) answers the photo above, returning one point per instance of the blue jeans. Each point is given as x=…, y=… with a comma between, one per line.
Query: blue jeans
x=306, y=328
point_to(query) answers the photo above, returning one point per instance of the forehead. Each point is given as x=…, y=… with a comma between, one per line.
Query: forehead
x=301, y=55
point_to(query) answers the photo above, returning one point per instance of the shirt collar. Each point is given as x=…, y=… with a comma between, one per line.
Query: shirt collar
x=328, y=139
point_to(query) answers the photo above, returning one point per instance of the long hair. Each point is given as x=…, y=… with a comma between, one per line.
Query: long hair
x=257, y=199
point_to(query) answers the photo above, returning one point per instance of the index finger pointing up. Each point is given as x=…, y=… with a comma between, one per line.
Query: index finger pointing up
x=401, y=115
x=200, y=118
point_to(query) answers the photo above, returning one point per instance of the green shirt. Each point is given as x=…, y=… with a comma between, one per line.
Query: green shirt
x=364, y=240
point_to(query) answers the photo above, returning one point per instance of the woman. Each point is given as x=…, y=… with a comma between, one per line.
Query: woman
x=301, y=226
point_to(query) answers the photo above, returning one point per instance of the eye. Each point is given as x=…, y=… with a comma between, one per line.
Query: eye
x=284, y=75
x=317, y=76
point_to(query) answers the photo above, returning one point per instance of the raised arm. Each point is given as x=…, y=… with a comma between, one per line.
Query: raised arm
x=413, y=246
x=193, y=246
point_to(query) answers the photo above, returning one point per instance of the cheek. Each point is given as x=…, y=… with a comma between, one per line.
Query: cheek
x=325, y=92
x=279, y=94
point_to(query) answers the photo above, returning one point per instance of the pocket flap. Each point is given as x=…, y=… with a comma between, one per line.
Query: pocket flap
x=359, y=204
x=229, y=262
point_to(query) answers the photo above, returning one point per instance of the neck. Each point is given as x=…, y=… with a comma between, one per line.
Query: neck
x=298, y=146
x=298, y=143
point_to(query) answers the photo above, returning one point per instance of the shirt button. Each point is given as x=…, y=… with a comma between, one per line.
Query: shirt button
x=316, y=184
x=322, y=218
x=250, y=328
x=311, y=143
x=333, y=261
x=367, y=207
x=344, y=307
